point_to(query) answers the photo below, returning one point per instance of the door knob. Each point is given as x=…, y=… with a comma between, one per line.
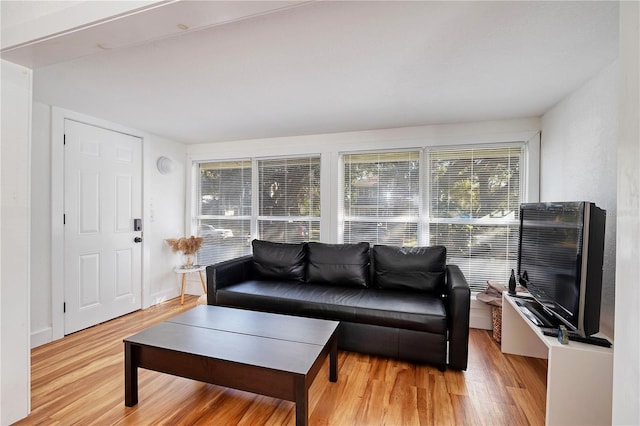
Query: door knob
x=137, y=240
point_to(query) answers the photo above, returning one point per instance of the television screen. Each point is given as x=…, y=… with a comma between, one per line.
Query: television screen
x=560, y=260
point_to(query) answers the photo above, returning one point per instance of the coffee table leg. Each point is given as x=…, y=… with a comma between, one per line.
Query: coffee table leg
x=302, y=399
x=130, y=376
x=333, y=361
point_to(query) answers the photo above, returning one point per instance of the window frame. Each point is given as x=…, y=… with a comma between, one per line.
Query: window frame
x=279, y=218
x=331, y=146
x=194, y=220
x=380, y=219
x=476, y=221
x=197, y=190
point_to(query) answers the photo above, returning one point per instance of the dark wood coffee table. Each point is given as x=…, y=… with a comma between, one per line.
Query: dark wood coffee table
x=269, y=354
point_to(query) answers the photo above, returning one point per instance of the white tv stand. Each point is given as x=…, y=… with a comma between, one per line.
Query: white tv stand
x=579, y=375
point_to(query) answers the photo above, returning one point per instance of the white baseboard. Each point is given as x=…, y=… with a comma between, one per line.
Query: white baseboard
x=40, y=337
x=163, y=296
x=480, y=315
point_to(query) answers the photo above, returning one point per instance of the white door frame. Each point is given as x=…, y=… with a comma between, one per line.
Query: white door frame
x=58, y=116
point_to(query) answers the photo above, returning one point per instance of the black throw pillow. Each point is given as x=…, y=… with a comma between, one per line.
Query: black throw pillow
x=279, y=261
x=339, y=264
x=415, y=268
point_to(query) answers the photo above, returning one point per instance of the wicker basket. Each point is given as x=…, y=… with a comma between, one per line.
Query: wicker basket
x=496, y=319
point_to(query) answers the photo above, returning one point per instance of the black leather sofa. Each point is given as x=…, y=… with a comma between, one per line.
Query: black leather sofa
x=398, y=302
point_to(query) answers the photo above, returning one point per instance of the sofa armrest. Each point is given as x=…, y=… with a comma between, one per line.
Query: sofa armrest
x=227, y=273
x=458, y=305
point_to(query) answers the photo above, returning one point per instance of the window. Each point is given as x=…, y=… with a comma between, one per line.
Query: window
x=286, y=207
x=289, y=199
x=469, y=203
x=224, y=210
x=465, y=198
x=381, y=198
x=474, y=200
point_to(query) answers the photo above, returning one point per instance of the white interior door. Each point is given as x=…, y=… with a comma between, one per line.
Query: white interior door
x=103, y=196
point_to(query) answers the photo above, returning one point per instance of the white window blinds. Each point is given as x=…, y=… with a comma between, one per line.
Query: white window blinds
x=474, y=199
x=224, y=210
x=466, y=199
x=381, y=199
x=289, y=199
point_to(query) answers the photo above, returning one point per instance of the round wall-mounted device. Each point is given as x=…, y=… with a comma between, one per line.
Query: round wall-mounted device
x=165, y=165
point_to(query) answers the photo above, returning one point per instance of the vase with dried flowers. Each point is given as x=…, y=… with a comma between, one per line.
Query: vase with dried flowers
x=188, y=246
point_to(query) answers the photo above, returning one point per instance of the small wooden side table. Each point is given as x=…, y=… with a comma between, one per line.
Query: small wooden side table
x=184, y=271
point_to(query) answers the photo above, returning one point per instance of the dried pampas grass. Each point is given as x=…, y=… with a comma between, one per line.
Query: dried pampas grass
x=187, y=245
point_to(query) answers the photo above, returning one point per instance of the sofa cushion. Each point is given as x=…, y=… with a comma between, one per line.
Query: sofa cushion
x=415, y=268
x=387, y=308
x=338, y=264
x=279, y=261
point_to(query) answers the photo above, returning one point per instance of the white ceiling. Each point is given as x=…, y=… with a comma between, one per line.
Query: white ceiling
x=324, y=67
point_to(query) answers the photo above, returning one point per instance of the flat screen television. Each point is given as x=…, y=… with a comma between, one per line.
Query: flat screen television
x=560, y=257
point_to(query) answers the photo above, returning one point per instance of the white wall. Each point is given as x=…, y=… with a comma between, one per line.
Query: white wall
x=434, y=135
x=164, y=206
x=626, y=356
x=15, y=362
x=41, y=225
x=163, y=209
x=579, y=162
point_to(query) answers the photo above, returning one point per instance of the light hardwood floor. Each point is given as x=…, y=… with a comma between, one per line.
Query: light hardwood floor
x=80, y=380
